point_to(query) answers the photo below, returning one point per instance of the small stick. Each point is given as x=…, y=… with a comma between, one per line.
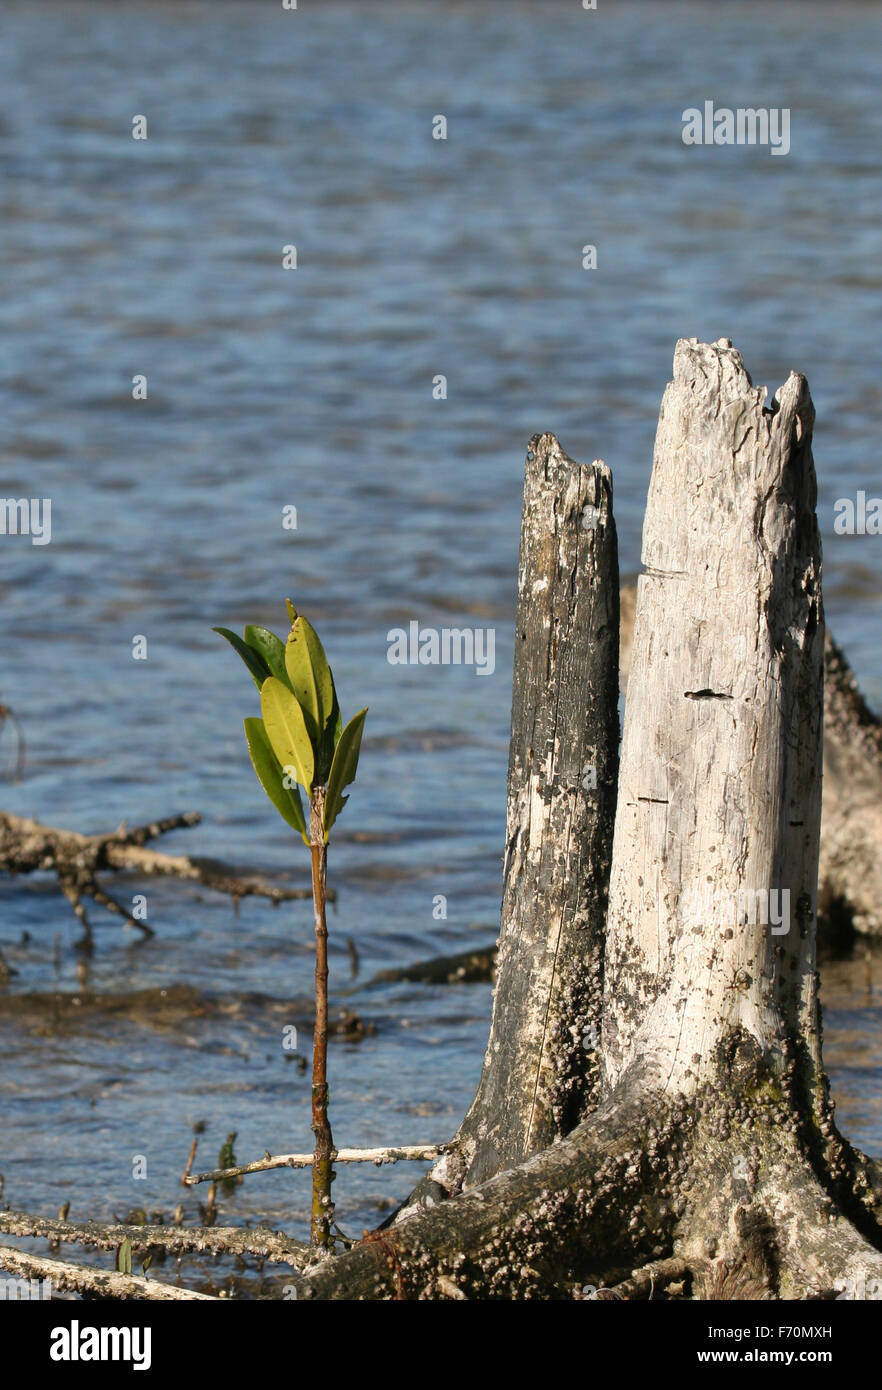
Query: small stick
x=189, y=1168
x=405, y=1153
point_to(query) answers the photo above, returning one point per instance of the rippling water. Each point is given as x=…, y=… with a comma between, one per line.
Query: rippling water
x=313, y=388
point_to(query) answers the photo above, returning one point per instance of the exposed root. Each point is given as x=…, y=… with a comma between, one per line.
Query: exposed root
x=777, y=1205
x=563, y=1218
x=720, y=1195
x=646, y=1283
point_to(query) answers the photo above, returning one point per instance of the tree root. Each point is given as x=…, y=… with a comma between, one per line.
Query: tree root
x=779, y=1230
x=724, y=1195
x=559, y=1220
x=27, y=846
x=646, y=1282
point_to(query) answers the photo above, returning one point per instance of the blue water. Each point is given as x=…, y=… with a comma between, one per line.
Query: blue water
x=313, y=388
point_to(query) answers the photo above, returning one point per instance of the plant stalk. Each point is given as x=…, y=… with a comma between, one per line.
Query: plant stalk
x=322, y=1163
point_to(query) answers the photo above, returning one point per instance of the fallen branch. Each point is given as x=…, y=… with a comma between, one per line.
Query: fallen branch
x=220, y=1240
x=99, y=1281
x=27, y=846
x=404, y=1153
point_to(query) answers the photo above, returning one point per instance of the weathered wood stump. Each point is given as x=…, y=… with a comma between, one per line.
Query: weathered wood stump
x=540, y=1070
x=710, y=1142
x=695, y=1145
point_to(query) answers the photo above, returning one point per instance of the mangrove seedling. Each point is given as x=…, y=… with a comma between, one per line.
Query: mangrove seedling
x=300, y=742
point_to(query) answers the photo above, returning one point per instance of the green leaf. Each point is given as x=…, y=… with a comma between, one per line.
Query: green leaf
x=292, y=612
x=270, y=647
x=309, y=674
x=328, y=742
x=343, y=769
x=287, y=731
x=271, y=777
x=124, y=1257
x=253, y=660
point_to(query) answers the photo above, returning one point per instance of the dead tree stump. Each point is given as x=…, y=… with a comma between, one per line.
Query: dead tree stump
x=540, y=1071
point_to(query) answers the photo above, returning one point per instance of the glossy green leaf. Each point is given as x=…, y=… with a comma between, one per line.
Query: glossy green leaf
x=253, y=660
x=271, y=777
x=343, y=769
x=310, y=674
x=270, y=647
x=328, y=742
x=287, y=731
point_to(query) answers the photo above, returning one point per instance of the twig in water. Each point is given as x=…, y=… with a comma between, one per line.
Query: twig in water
x=404, y=1153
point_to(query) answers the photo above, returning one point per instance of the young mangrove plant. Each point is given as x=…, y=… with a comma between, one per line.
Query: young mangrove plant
x=300, y=742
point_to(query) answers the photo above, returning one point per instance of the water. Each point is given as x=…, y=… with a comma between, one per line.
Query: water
x=313, y=388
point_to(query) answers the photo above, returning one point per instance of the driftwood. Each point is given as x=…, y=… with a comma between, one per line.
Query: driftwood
x=101, y=1283
x=177, y=1240
x=27, y=846
x=463, y=968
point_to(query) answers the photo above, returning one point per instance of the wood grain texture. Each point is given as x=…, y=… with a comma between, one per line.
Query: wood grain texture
x=720, y=783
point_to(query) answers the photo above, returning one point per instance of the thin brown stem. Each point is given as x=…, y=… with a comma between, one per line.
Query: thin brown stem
x=322, y=1167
